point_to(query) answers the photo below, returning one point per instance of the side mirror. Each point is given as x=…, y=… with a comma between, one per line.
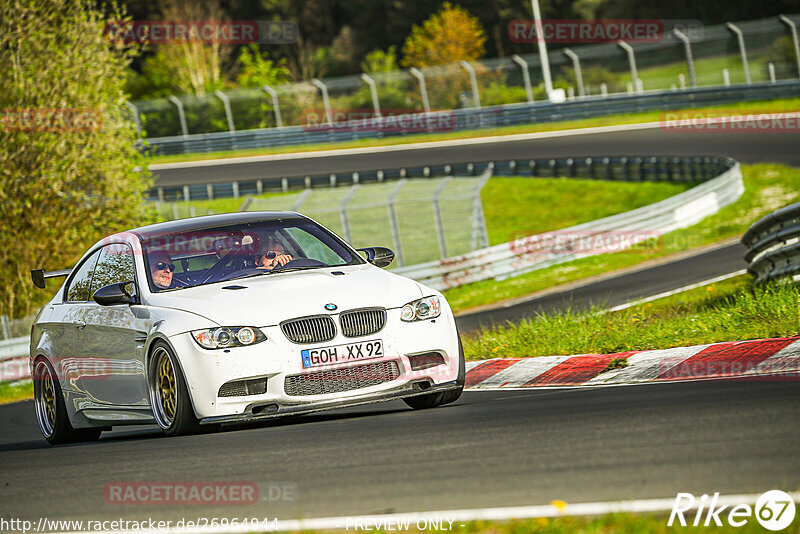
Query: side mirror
x=120, y=293
x=378, y=256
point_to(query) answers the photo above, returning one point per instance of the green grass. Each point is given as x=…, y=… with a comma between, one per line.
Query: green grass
x=767, y=187
x=732, y=310
x=517, y=207
x=708, y=72
x=780, y=105
x=15, y=391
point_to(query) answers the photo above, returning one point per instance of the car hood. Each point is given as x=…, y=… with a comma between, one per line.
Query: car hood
x=267, y=300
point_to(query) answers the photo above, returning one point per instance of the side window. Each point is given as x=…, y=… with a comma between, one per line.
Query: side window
x=115, y=265
x=313, y=248
x=78, y=290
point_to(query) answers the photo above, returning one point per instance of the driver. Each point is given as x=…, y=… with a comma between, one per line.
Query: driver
x=161, y=269
x=271, y=255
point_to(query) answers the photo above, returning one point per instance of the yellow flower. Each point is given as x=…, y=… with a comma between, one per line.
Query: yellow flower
x=561, y=505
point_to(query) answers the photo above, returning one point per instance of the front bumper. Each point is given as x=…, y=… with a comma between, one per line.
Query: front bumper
x=275, y=359
x=261, y=410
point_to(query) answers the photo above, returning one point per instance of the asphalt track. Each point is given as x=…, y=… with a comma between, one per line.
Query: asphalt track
x=490, y=449
x=616, y=290
x=751, y=147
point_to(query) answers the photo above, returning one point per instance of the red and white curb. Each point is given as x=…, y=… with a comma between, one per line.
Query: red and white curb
x=777, y=358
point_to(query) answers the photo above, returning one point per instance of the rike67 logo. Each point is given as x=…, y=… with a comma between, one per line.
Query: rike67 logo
x=774, y=510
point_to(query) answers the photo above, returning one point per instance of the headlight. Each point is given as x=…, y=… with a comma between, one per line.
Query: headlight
x=228, y=336
x=420, y=310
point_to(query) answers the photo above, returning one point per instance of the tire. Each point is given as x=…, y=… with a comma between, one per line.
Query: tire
x=51, y=412
x=432, y=400
x=169, y=396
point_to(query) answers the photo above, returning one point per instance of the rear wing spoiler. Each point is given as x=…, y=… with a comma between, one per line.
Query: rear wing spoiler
x=39, y=275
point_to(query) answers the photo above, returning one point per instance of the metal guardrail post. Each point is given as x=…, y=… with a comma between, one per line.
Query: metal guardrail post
x=437, y=217
x=136, y=118
x=325, y=100
x=526, y=76
x=632, y=63
x=393, y=221
x=740, y=38
x=771, y=69
x=227, y=104
x=687, y=45
x=416, y=73
x=476, y=98
x=275, y=105
x=793, y=29
x=181, y=114
x=726, y=77
x=576, y=65
x=373, y=89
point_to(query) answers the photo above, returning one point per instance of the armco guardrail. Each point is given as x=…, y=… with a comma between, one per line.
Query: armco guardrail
x=774, y=245
x=481, y=118
x=611, y=233
x=14, y=359
x=620, y=168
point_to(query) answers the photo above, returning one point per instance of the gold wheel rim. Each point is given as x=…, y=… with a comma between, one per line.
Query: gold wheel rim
x=167, y=393
x=49, y=398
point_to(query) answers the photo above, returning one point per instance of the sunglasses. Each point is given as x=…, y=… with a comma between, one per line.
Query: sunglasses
x=271, y=254
x=162, y=266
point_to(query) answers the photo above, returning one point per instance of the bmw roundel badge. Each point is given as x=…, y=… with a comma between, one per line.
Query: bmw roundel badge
x=331, y=307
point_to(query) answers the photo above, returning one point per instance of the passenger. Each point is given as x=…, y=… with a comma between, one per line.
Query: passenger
x=272, y=255
x=161, y=269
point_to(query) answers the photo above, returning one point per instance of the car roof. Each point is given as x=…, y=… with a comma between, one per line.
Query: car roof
x=211, y=221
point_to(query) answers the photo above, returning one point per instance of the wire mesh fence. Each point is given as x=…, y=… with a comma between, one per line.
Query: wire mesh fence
x=420, y=219
x=746, y=52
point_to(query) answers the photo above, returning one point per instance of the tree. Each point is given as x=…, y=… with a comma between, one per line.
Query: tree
x=450, y=35
x=67, y=144
x=196, y=65
x=380, y=61
x=258, y=70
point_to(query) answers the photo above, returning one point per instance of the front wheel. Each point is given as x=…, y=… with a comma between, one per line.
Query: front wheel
x=169, y=396
x=51, y=413
x=432, y=400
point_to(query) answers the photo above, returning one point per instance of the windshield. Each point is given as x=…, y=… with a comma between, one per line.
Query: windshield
x=210, y=255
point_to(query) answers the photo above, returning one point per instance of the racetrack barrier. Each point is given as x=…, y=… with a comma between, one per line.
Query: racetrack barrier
x=722, y=186
x=773, y=244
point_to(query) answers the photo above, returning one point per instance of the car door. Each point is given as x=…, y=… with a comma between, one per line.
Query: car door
x=114, y=336
x=67, y=320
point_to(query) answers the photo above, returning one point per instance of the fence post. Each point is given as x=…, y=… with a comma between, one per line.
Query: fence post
x=393, y=222
x=742, y=50
x=632, y=62
x=181, y=114
x=480, y=236
x=771, y=68
x=416, y=73
x=726, y=77
x=316, y=82
x=526, y=76
x=343, y=213
x=136, y=119
x=576, y=64
x=437, y=217
x=793, y=28
x=186, y=193
x=6, y=326
x=275, y=106
x=235, y=189
x=301, y=199
x=604, y=90
x=227, y=104
x=210, y=191
x=687, y=45
x=373, y=89
x=476, y=99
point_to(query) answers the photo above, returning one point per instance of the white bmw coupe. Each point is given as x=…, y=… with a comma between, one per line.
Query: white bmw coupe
x=234, y=317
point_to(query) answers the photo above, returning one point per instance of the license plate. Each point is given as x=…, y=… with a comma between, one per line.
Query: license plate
x=363, y=350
